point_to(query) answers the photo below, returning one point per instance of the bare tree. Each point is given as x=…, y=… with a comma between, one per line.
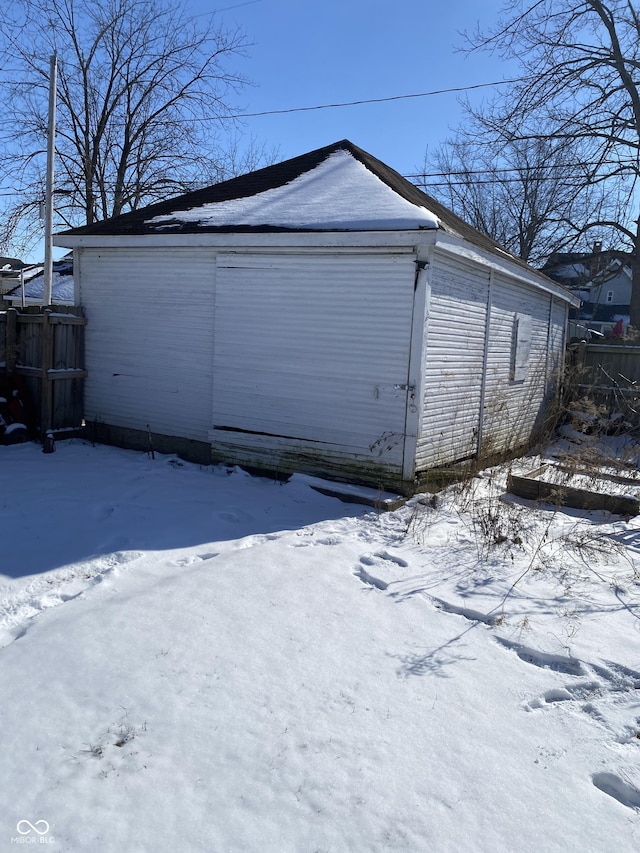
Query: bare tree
x=524, y=193
x=144, y=103
x=580, y=85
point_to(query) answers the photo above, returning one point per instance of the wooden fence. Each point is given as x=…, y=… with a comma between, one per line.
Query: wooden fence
x=612, y=360
x=610, y=374
x=43, y=351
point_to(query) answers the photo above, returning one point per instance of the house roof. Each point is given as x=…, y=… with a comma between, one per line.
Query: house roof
x=336, y=188
x=61, y=288
x=616, y=268
x=578, y=268
x=9, y=265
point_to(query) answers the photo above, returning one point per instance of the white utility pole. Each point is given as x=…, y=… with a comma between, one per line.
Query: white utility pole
x=48, y=210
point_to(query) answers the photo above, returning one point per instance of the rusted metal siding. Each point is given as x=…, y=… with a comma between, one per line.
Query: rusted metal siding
x=150, y=350
x=456, y=315
x=311, y=354
x=514, y=397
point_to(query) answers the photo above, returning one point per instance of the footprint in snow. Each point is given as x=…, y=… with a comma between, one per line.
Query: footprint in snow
x=229, y=517
x=571, y=692
x=369, y=580
x=557, y=663
x=616, y=682
x=183, y=562
x=619, y=676
x=606, y=698
x=614, y=786
x=490, y=619
x=385, y=563
x=383, y=557
x=18, y=609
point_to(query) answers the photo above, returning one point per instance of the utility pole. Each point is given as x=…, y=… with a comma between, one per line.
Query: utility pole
x=48, y=210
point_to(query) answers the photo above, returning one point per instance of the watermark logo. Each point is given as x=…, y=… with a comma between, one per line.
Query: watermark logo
x=32, y=833
x=24, y=827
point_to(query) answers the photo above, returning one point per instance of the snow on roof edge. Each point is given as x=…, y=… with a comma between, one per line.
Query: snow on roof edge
x=339, y=193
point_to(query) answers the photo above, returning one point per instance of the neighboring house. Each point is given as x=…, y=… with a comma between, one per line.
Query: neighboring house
x=10, y=274
x=607, y=297
x=601, y=280
x=576, y=269
x=320, y=315
x=31, y=290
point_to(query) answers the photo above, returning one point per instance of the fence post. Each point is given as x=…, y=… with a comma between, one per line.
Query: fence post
x=11, y=339
x=46, y=391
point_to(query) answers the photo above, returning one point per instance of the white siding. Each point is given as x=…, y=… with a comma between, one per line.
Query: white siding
x=557, y=339
x=513, y=403
x=299, y=359
x=149, y=345
x=309, y=349
x=453, y=361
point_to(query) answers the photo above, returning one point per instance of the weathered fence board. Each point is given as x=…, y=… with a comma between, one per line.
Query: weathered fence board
x=602, y=360
x=46, y=349
x=610, y=375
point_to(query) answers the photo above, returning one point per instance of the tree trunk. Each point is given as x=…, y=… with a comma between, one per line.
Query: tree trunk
x=634, y=310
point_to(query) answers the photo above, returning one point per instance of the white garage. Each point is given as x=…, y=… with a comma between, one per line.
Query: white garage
x=319, y=315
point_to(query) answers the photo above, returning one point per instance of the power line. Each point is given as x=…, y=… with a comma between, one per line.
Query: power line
x=480, y=182
x=494, y=170
x=500, y=181
x=424, y=184
x=226, y=9
x=339, y=104
x=237, y=6
x=449, y=91
x=491, y=170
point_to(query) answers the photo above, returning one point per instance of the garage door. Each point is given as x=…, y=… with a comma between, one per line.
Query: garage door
x=314, y=347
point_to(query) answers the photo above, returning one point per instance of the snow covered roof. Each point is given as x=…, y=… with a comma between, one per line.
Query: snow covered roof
x=336, y=188
x=572, y=271
x=9, y=264
x=61, y=288
x=339, y=193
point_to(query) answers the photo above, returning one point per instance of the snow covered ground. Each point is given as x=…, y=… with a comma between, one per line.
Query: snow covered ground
x=194, y=659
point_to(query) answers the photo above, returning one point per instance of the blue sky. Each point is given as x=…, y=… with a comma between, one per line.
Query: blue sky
x=305, y=54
